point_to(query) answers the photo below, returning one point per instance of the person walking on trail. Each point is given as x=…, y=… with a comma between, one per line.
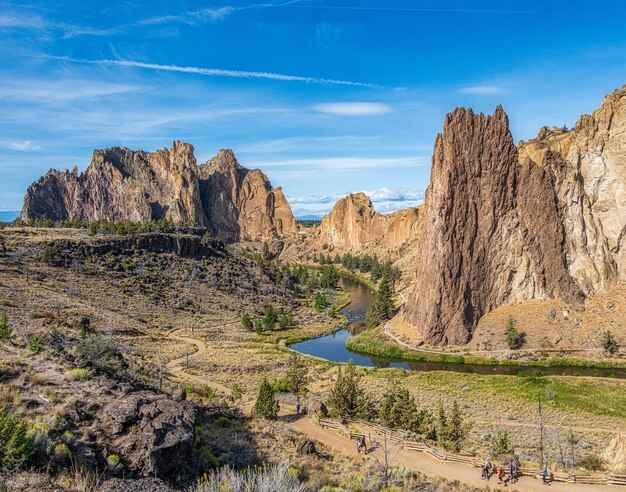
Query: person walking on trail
x=511, y=471
x=486, y=470
x=500, y=474
x=544, y=475
x=360, y=445
x=297, y=407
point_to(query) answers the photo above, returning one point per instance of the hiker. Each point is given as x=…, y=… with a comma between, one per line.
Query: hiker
x=513, y=472
x=297, y=407
x=544, y=475
x=486, y=470
x=360, y=445
x=500, y=473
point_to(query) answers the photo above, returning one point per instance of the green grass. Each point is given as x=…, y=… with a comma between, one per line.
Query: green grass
x=375, y=343
x=604, y=397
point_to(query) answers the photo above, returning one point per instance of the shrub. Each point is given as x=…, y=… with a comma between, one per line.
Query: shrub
x=35, y=344
x=278, y=478
x=609, y=344
x=399, y=411
x=501, y=444
x=17, y=445
x=96, y=349
x=592, y=462
x=51, y=253
x=285, y=321
x=78, y=374
x=297, y=375
x=5, y=328
x=266, y=403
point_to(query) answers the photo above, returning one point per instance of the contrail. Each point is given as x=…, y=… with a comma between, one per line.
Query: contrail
x=218, y=72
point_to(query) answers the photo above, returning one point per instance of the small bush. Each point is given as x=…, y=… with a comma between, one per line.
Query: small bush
x=260, y=479
x=17, y=444
x=35, y=344
x=96, y=349
x=266, y=403
x=609, y=344
x=78, y=374
x=592, y=462
x=5, y=329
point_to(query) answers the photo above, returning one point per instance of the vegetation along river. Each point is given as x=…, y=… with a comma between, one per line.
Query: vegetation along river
x=333, y=347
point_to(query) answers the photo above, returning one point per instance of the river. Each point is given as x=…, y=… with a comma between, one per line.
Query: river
x=333, y=347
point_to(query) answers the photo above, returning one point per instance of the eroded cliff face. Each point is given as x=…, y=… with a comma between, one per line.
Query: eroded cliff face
x=490, y=232
x=589, y=168
x=354, y=226
x=121, y=184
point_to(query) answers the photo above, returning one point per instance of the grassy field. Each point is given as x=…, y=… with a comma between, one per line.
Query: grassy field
x=376, y=343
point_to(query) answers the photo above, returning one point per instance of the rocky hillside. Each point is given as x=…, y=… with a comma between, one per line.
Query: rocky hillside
x=503, y=224
x=121, y=184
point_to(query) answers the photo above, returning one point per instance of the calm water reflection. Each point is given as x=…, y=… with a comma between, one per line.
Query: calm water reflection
x=333, y=347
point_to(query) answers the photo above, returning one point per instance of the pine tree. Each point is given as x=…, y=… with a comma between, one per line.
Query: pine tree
x=399, y=411
x=269, y=320
x=266, y=403
x=5, y=328
x=457, y=431
x=514, y=339
x=297, y=375
x=320, y=301
x=442, y=426
x=346, y=396
x=501, y=444
x=381, y=307
x=246, y=322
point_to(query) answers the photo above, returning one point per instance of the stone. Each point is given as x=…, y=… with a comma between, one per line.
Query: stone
x=306, y=447
x=317, y=407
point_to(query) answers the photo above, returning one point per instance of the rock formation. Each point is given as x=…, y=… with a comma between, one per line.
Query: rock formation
x=121, y=184
x=353, y=225
x=490, y=231
x=241, y=203
x=589, y=168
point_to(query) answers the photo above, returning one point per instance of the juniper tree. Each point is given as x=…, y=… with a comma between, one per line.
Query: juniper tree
x=347, y=396
x=266, y=403
x=5, y=329
x=246, y=322
x=297, y=375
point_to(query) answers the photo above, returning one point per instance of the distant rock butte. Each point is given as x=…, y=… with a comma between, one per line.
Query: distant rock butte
x=120, y=184
x=353, y=225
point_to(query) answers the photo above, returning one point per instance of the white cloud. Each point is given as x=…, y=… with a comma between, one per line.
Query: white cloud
x=23, y=146
x=385, y=200
x=202, y=15
x=353, y=108
x=395, y=194
x=216, y=72
x=482, y=90
x=61, y=90
x=339, y=164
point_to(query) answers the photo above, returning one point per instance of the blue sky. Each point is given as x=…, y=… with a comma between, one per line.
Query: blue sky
x=325, y=97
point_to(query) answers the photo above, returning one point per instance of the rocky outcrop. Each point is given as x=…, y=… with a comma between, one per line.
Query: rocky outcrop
x=490, y=231
x=241, y=203
x=353, y=225
x=153, y=434
x=121, y=184
x=588, y=164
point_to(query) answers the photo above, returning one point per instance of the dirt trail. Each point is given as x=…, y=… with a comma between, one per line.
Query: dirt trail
x=430, y=466
x=340, y=443
x=176, y=367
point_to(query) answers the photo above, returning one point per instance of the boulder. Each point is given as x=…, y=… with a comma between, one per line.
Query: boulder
x=317, y=407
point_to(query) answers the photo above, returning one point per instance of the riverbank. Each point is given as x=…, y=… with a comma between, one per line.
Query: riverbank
x=376, y=343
